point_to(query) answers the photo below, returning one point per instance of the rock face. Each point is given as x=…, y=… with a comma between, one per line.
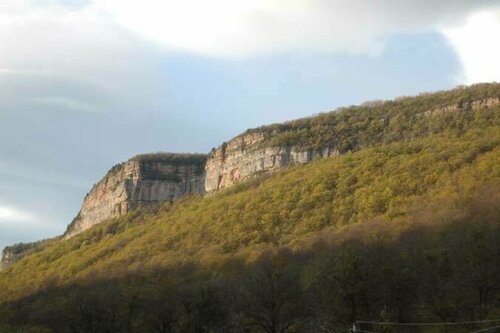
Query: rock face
x=12, y=254
x=148, y=179
x=473, y=105
x=249, y=154
x=244, y=156
x=141, y=181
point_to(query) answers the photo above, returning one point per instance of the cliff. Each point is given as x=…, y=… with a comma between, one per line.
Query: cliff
x=148, y=179
x=474, y=105
x=141, y=181
x=244, y=156
x=13, y=253
x=301, y=141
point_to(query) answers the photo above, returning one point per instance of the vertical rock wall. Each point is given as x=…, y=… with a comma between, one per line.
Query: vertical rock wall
x=149, y=179
x=134, y=184
x=243, y=157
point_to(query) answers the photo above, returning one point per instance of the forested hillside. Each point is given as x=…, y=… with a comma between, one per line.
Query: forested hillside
x=378, y=122
x=407, y=229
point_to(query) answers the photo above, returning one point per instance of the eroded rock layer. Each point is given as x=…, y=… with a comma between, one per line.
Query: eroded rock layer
x=13, y=253
x=141, y=181
x=243, y=157
x=153, y=178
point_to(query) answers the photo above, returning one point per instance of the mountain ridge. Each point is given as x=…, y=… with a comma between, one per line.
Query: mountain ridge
x=400, y=225
x=267, y=149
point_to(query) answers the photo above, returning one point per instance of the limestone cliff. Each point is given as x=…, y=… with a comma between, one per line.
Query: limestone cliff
x=466, y=106
x=148, y=179
x=11, y=254
x=244, y=156
x=299, y=142
x=141, y=181
x=16, y=252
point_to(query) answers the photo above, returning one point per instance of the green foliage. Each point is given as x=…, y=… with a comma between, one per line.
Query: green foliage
x=174, y=159
x=426, y=267
x=151, y=171
x=24, y=249
x=23, y=329
x=358, y=127
x=403, y=227
x=281, y=210
x=114, y=170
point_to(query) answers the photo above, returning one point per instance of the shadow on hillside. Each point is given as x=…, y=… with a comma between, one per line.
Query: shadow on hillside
x=438, y=264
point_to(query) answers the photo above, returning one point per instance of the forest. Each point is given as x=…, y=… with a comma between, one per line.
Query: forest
x=379, y=122
x=440, y=264
x=395, y=230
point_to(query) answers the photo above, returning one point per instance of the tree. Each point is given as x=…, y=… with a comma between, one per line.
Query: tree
x=271, y=296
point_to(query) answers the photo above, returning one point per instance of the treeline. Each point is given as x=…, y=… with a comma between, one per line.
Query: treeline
x=357, y=127
x=284, y=210
x=400, y=231
x=17, y=251
x=440, y=264
x=174, y=159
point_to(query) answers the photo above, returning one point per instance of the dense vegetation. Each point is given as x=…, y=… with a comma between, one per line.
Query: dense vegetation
x=149, y=172
x=174, y=159
x=439, y=264
x=358, y=127
x=408, y=230
x=20, y=250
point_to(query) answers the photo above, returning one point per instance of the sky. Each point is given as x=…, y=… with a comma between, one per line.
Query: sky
x=86, y=84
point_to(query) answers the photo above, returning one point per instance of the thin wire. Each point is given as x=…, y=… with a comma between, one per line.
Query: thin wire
x=485, y=329
x=427, y=324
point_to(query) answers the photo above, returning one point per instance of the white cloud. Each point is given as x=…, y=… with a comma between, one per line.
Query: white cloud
x=228, y=28
x=94, y=40
x=477, y=45
x=77, y=42
x=11, y=214
x=62, y=54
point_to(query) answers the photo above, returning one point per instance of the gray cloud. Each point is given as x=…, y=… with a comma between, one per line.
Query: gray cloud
x=244, y=28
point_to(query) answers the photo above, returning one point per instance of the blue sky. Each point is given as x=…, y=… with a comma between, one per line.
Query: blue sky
x=87, y=84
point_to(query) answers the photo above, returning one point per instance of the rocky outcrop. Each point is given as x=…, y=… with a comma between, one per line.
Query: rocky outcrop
x=149, y=179
x=252, y=153
x=245, y=156
x=14, y=253
x=141, y=181
x=11, y=254
x=466, y=106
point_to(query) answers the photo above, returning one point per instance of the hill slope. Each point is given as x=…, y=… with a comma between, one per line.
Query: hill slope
x=395, y=205
x=347, y=129
x=280, y=210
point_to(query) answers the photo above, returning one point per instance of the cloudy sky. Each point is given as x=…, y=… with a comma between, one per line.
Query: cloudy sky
x=85, y=84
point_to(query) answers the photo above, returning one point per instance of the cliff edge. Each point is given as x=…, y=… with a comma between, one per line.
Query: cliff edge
x=148, y=179
x=143, y=180
x=245, y=156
